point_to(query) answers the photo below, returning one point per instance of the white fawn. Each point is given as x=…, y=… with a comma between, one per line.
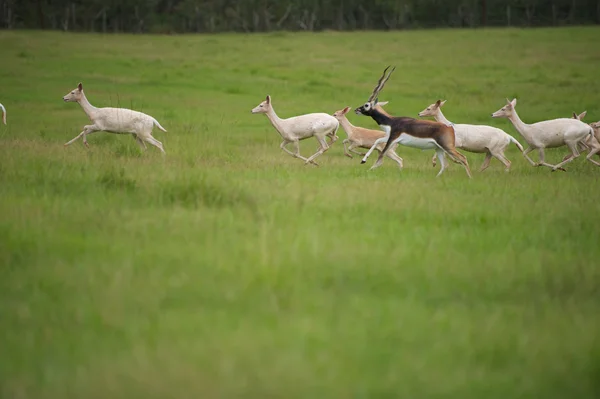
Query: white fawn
x=475, y=138
x=546, y=134
x=294, y=129
x=115, y=120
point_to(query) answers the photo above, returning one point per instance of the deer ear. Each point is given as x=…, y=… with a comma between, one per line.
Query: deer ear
x=268, y=99
x=514, y=102
x=438, y=102
x=345, y=110
x=582, y=115
x=80, y=86
x=381, y=104
x=376, y=101
x=442, y=103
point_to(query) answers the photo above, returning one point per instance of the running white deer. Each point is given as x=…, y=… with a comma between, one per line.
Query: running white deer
x=294, y=129
x=475, y=138
x=410, y=132
x=115, y=120
x=547, y=134
x=3, y=113
x=363, y=138
x=590, y=143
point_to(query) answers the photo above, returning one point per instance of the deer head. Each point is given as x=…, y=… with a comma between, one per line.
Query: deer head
x=263, y=107
x=507, y=110
x=432, y=109
x=74, y=95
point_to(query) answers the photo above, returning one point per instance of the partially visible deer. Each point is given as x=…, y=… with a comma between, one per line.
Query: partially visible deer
x=475, y=138
x=363, y=138
x=294, y=129
x=591, y=143
x=115, y=120
x=3, y=113
x=547, y=134
x=410, y=132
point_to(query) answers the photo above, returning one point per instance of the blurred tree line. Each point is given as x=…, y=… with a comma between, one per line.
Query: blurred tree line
x=177, y=16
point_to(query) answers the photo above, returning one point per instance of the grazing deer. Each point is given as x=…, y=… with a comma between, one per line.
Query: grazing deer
x=547, y=134
x=362, y=137
x=410, y=132
x=475, y=138
x=3, y=113
x=590, y=143
x=294, y=129
x=115, y=120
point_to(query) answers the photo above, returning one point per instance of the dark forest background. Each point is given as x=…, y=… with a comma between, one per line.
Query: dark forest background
x=178, y=16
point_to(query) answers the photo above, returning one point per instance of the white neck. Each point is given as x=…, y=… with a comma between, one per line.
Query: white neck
x=276, y=121
x=439, y=116
x=87, y=107
x=521, y=127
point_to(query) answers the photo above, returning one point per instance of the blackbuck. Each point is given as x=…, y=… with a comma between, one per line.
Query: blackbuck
x=410, y=132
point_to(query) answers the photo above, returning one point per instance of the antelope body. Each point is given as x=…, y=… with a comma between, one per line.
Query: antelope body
x=294, y=129
x=475, y=138
x=410, y=132
x=362, y=137
x=547, y=134
x=115, y=120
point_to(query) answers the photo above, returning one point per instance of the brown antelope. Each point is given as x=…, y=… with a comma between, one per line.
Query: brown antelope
x=410, y=132
x=361, y=137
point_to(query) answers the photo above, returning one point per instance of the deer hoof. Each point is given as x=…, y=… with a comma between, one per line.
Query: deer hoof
x=363, y=161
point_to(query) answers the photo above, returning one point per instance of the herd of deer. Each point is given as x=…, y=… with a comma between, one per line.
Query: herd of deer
x=442, y=136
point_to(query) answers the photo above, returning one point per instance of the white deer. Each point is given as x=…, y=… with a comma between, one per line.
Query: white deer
x=3, y=113
x=547, y=134
x=115, y=120
x=363, y=138
x=475, y=138
x=297, y=128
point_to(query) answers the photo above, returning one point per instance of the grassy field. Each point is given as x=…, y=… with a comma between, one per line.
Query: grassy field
x=229, y=269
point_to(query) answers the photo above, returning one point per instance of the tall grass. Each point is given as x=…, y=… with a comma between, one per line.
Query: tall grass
x=229, y=269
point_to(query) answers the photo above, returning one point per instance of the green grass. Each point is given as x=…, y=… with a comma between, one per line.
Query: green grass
x=230, y=269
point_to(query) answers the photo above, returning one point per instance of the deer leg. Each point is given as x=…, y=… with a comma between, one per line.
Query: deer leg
x=324, y=147
x=151, y=140
x=434, y=159
x=352, y=149
x=527, y=151
x=391, y=153
x=461, y=159
x=593, y=151
x=500, y=156
x=377, y=142
x=486, y=161
x=140, y=142
x=439, y=153
x=345, y=143
x=87, y=129
x=295, y=154
x=574, y=154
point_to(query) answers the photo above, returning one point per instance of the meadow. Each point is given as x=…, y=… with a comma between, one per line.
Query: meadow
x=229, y=269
